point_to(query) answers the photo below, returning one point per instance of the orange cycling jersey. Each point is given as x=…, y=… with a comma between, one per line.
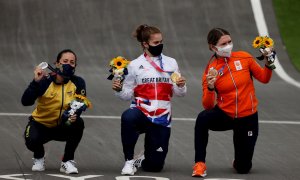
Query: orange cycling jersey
x=234, y=86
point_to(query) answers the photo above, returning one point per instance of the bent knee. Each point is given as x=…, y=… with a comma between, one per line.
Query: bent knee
x=130, y=115
x=32, y=143
x=153, y=166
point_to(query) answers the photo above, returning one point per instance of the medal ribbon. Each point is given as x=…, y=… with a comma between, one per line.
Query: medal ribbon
x=155, y=65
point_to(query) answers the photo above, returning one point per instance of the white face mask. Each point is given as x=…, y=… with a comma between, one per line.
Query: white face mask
x=224, y=51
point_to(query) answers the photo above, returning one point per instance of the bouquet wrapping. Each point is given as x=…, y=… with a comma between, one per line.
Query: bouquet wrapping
x=79, y=104
x=118, y=68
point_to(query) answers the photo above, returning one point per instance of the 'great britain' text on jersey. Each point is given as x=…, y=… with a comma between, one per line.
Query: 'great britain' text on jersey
x=156, y=79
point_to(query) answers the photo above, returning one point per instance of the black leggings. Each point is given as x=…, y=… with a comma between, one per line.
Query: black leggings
x=36, y=135
x=133, y=123
x=245, y=132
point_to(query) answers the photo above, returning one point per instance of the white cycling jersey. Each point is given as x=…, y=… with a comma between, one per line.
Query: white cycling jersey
x=150, y=90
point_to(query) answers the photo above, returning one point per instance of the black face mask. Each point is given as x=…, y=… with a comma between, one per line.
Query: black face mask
x=155, y=50
x=66, y=71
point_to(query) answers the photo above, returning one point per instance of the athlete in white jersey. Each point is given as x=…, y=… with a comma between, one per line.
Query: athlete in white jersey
x=150, y=87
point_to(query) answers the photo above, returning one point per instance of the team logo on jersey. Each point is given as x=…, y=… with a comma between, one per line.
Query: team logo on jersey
x=238, y=65
x=141, y=67
x=82, y=92
x=159, y=149
x=70, y=93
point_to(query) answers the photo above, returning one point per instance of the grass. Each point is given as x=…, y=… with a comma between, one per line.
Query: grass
x=288, y=19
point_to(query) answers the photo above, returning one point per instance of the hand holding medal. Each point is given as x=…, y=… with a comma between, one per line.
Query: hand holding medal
x=213, y=72
x=40, y=71
x=178, y=79
x=211, y=78
x=175, y=76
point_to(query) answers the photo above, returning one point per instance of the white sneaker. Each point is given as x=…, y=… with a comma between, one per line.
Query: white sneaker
x=38, y=164
x=129, y=168
x=138, y=160
x=68, y=167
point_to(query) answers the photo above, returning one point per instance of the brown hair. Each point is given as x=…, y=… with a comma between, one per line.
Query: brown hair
x=143, y=33
x=214, y=36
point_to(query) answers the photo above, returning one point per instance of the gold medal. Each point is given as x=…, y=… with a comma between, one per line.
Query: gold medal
x=175, y=76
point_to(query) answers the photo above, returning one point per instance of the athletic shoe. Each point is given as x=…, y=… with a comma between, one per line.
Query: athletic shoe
x=38, y=164
x=68, y=167
x=199, y=170
x=139, y=159
x=129, y=168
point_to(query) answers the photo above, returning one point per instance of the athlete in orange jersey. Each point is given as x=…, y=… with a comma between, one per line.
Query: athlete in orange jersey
x=229, y=101
x=234, y=88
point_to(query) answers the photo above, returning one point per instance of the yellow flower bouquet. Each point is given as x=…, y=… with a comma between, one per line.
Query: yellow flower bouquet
x=118, y=68
x=76, y=106
x=266, y=47
x=263, y=42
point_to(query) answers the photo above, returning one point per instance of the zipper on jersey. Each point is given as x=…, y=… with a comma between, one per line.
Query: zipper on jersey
x=62, y=104
x=155, y=85
x=155, y=89
x=236, y=90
